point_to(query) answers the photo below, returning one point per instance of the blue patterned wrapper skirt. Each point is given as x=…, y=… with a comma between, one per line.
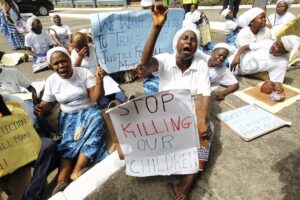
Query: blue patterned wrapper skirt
x=82, y=132
x=9, y=31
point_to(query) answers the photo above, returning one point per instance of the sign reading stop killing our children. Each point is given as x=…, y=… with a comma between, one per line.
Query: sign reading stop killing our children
x=119, y=37
x=157, y=134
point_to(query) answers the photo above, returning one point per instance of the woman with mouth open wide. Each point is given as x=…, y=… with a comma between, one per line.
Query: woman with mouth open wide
x=80, y=121
x=182, y=69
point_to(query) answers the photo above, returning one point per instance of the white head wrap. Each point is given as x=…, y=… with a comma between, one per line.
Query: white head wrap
x=225, y=46
x=55, y=49
x=52, y=17
x=30, y=21
x=288, y=2
x=147, y=3
x=245, y=19
x=180, y=32
x=225, y=12
x=291, y=43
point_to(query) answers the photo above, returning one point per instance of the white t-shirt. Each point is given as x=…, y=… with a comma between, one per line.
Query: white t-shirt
x=39, y=43
x=88, y=62
x=70, y=93
x=245, y=36
x=192, y=17
x=230, y=25
x=196, y=78
x=62, y=32
x=278, y=21
x=11, y=81
x=259, y=60
x=275, y=19
x=221, y=75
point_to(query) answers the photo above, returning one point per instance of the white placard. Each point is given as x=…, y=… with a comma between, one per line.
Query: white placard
x=157, y=134
x=251, y=121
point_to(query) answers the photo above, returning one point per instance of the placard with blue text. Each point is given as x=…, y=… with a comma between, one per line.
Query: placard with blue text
x=120, y=37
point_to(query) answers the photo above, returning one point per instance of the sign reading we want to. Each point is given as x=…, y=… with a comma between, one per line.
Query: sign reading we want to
x=157, y=134
x=119, y=37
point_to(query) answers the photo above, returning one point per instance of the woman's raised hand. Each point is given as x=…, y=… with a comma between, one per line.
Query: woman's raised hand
x=100, y=72
x=159, y=14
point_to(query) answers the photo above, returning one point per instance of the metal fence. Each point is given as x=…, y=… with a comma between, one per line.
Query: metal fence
x=94, y=3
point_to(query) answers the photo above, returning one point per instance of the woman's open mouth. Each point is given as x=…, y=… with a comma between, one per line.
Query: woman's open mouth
x=187, y=50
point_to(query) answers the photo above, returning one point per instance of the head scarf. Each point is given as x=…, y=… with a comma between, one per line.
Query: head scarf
x=245, y=19
x=291, y=43
x=55, y=49
x=224, y=13
x=180, y=32
x=52, y=16
x=225, y=46
x=288, y=2
x=30, y=21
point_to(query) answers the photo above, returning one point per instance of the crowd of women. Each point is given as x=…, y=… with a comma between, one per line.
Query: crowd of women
x=77, y=84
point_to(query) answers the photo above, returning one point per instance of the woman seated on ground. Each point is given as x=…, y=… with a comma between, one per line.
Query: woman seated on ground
x=219, y=73
x=267, y=56
x=183, y=69
x=231, y=26
x=60, y=33
x=281, y=17
x=254, y=28
x=12, y=82
x=37, y=41
x=83, y=53
x=80, y=121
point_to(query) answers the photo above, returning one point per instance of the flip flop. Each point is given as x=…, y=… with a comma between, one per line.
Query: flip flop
x=59, y=187
x=83, y=171
x=171, y=190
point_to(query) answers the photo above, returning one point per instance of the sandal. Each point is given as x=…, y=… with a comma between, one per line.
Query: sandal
x=59, y=187
x=171, y=190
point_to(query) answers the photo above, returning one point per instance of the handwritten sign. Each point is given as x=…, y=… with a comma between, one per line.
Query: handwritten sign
x=157, y=134
x=19, y=142
x=120, y=37
x=251, y=121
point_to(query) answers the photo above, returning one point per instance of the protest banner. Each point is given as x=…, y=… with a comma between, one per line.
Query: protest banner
x=19, y=142
x=250, y=121
x=119, y=37
x=157, y=134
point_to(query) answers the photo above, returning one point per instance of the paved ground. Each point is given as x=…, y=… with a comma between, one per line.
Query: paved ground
x=265, y=168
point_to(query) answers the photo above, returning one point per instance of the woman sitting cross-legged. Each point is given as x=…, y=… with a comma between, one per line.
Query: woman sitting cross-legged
x=255, y=30
x=80, y=121
x=182, y=69
x=267, y=56
x=37, y=41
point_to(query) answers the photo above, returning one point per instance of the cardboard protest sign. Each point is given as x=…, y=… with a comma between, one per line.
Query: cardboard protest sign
x=251, y=121
x=19, y=142
x=120, y=37
x=157, y=134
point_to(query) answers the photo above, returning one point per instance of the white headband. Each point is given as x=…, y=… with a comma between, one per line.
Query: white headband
x=30, y=21
x=55, y=49
x=225, y=12
x=288, y=2
x=291, y=43
x=224, y=46
x=180, y=32
x=245, y=19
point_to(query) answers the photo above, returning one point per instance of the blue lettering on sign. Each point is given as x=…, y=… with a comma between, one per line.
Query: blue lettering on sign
x=120, y=37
